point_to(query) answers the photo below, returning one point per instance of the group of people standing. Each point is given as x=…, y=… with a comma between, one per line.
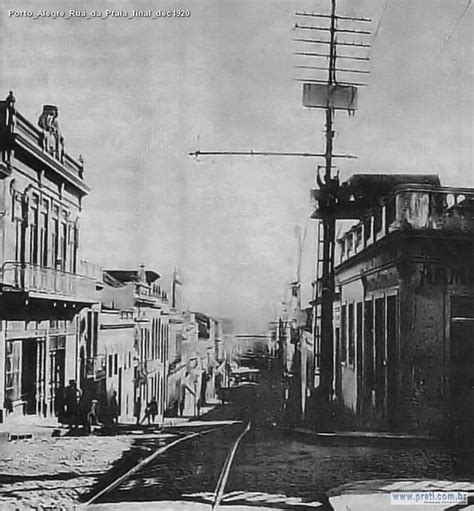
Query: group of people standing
x=75, y=408
x=80, y=408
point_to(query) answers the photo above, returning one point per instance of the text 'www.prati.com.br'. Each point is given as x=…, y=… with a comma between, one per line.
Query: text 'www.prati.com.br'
x=408, y=498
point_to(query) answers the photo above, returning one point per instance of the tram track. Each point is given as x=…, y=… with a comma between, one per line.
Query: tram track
x=148, y=462
x=224, y=475
x=215, y=467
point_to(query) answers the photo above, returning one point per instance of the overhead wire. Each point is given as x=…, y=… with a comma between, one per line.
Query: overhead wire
x=453, y=30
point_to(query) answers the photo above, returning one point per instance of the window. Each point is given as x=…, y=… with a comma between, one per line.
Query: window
x=75, y=244
x=110, y=364
x=13, y=370
x=359, y=334
x=369, y=344
x=377, y=222
x=95, y=336
x=390, y=212
x=351, y=333
x=343, y=333
x=158, y=331
x=33, y=220
x=44, y=238
x=367, y=229
x=18, y=240
x=380, y=341
x=116, y=363
x=63, y=247
x=55, y=243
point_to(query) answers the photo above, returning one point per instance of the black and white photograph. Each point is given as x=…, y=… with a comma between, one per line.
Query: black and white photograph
x=236, y=255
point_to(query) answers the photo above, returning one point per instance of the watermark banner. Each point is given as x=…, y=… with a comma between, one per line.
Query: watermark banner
x=408, y=498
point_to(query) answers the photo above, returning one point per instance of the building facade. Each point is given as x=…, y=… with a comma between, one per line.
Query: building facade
x=43, y=283
x=404, y=319
x=133, y=342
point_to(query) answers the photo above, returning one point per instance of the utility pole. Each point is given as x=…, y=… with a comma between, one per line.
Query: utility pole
x=330, y=94
x=329, y=235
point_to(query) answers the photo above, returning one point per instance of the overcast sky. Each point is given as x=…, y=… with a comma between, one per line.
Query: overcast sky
x=136, y=95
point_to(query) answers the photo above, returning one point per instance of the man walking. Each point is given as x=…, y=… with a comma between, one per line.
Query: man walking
x=72, y=396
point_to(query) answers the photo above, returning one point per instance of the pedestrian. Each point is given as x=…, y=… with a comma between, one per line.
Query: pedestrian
x=92, y=417
x=59, y=403
x=153, y=405
x=148, y=412
x=114, y=408
x=182, y=399
x=137, y=408
x=202, y=394
x=72, y=395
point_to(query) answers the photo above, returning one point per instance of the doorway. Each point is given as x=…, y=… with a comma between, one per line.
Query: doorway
x=462, y=376
x=28, y=375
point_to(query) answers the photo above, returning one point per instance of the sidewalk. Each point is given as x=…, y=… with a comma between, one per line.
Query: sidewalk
x=42, y=472
x=31, y=427
x=375, y=495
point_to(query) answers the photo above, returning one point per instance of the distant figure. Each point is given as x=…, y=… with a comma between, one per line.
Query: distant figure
x=72, y=395
x=92, y=417
x=219, y=391
x=137, y=408
x=182, y=399
x=202, y=395
x=114, y=408
x=151, y=411
x=153, y=406
x=59, y=403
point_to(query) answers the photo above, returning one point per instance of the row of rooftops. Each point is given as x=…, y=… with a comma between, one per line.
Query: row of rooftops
x=146, y=286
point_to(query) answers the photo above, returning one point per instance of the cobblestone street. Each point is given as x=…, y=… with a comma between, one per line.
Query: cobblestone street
x=53, y=473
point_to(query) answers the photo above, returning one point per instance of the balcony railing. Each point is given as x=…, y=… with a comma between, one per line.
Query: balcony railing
x=150, y=293
x=49, y=282
x=414, y=208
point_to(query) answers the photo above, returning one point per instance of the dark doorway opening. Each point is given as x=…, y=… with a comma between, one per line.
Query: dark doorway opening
x=28, y=375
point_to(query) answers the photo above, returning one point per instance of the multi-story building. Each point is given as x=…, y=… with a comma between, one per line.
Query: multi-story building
x=192, y=373
x=404, y=320
x=177, y=362
x=133, y=341
x=43, y=284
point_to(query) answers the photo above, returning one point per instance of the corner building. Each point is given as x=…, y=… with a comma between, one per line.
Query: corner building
x=404, y=318
x=43, y=283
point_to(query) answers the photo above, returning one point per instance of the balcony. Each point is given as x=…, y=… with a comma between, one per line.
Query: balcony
x=47, y=283
x=413, y=208
x=150, y=294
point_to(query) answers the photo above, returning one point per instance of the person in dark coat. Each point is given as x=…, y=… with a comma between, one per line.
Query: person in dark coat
x=59, y=403
x=72, y=395
x=137, y=409
x=153, y=406
x=114, y=408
